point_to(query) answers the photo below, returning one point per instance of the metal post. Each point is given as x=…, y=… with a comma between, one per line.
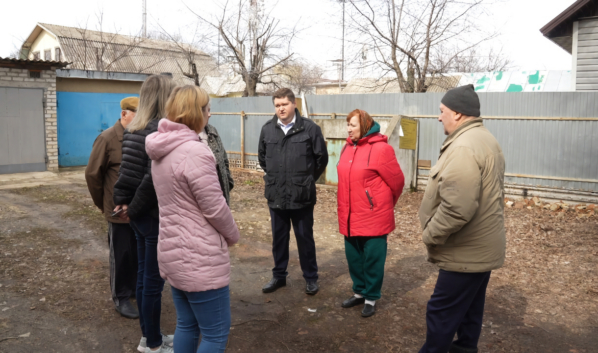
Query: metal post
x=416, y=158
x=144, y=19
x=343, y=53
x=242, y=139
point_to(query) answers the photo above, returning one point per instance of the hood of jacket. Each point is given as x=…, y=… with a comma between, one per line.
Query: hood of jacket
x=372, y=136
x=169, y=136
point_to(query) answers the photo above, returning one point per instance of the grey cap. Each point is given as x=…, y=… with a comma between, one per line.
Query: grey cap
x=463, y=100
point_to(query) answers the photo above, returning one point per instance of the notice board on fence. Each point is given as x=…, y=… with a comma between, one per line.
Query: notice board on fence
x=409, y=139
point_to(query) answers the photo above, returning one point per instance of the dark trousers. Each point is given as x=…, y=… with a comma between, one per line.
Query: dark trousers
x=457, y=306
x=149, y=282
x=366, y=257
x=303, y=225
x=123, y=261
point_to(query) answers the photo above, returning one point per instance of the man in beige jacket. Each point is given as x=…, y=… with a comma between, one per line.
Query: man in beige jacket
x=101, y=175
x=462, y=217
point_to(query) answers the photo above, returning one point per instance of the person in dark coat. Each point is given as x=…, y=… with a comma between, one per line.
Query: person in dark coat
x=135, y=194
x=211, y=136
x=292, y=152
x=370, y=182
x=101, y=174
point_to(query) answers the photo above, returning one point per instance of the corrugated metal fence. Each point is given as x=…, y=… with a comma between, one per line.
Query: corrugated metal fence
x=240, y=134
x=549, y=139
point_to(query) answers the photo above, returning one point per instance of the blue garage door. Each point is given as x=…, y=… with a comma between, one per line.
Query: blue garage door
x=81, y=118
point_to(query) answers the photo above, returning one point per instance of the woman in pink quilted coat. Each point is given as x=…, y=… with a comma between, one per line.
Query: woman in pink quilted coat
x=196, y=225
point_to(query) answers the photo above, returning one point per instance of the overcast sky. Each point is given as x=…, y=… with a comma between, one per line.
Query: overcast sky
x=518, y=21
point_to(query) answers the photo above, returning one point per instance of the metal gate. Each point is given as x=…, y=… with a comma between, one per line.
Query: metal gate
x=22, y=135
x=81, y=118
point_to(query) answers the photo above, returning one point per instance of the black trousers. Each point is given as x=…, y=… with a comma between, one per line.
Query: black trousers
x=457, y=306
x=303, y=225
x=123, y=261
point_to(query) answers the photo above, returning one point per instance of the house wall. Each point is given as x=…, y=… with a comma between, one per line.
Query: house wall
x=585, y=54
x=19, y=78
x=332, y=89
x=64, y=84
x=43, y=42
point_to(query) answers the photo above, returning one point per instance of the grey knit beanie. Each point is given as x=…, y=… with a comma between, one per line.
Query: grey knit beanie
x=463, y=100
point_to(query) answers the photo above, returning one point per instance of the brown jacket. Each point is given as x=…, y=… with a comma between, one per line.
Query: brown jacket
x=462, y=212
x=102, y=170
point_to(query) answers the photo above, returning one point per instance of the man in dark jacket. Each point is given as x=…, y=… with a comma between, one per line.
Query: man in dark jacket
x=101, y=175
x=292, y=152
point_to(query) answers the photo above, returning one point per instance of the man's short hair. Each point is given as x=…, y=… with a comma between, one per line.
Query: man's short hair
x=282, y=93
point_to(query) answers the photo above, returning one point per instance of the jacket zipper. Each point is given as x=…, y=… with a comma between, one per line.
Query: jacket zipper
x=370, y=199
x=219, y=236
x=350, y=169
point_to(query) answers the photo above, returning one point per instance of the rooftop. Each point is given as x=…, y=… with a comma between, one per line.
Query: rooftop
x=102, y=51
x=31, y=64
x=560, y=29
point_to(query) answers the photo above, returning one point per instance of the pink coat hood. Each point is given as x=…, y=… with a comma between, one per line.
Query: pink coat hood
x=196, y=225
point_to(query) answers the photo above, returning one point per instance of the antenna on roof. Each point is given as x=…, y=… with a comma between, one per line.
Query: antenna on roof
x=144, y=18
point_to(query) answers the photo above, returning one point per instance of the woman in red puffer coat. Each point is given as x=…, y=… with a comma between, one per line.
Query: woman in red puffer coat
x=370, y=182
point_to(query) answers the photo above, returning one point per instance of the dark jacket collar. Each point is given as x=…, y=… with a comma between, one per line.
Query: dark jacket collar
x=298, y=122
x=460, y=130
x=210, y=130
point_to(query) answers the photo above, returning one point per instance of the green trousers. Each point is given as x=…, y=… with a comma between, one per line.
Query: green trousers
x=366, y=257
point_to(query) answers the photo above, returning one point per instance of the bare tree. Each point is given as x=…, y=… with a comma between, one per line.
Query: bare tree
x=253, y=39
x=405, y=35
x=111, y=51
x=190, y=52
x=100, y=50
x=300, y=75
x=471, y=61
x=15, y=53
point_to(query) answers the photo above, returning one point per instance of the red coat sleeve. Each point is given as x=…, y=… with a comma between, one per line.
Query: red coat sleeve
x=390, y=171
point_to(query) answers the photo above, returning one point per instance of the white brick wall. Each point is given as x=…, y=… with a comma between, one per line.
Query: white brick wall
x=47, y=81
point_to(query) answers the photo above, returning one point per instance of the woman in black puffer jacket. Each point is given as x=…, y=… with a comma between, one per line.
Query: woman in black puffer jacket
x=134, y=193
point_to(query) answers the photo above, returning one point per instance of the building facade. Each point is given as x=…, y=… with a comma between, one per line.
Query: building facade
x=576, y=31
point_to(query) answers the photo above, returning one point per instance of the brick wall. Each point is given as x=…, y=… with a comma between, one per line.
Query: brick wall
x=19, y=78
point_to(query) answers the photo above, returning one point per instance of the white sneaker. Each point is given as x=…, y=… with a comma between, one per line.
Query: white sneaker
x=163, y=349
x=166, y=341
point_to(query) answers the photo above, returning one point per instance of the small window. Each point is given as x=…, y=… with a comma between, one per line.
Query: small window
x=57, y=55
x=36, y=55
x=35, y=74
x=48, y=55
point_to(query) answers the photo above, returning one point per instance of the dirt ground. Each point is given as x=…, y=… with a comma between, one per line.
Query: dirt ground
x=55, y=294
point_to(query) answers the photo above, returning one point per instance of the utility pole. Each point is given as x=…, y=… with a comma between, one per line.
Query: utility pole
x=144, y=18
x=343, y=50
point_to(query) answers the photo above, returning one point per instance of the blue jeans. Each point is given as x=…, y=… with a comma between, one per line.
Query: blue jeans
x=149, y=283
x=205, y=312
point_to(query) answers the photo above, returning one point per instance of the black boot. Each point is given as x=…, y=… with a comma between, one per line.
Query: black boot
x=126, y=309
x=351, y=302
x=457, y=349
x=311, y=287
x=274, y=284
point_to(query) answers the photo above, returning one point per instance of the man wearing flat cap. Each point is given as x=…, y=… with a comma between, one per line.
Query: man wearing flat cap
x=101, y=175
x=462, y=217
